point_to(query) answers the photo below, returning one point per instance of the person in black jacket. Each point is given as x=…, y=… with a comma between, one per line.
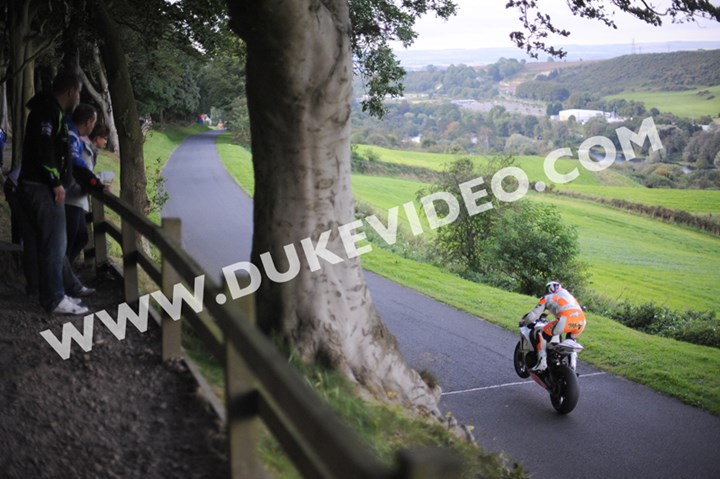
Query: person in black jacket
x=46, y=171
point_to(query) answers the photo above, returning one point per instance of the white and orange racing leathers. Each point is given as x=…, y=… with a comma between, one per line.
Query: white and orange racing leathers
x=569, y=316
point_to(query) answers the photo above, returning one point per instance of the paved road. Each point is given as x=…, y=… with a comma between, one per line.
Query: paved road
x=216, y=214
x=618, y=430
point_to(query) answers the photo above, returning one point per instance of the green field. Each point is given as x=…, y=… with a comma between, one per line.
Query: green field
x=641, y=259
x=692, y=201
x=630, y=257
x=531, y=165
x=682, y=103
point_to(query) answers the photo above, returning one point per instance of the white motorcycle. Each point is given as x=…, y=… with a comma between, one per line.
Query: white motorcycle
x=560, y=378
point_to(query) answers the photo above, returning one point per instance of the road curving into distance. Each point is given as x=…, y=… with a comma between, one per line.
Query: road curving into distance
x=618, y=430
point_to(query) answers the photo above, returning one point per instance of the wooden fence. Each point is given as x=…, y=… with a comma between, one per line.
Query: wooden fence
x=260, y=385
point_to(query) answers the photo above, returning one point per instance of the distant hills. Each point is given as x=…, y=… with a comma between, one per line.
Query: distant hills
x=683, y=83
x=675, y=71
x=413, y=60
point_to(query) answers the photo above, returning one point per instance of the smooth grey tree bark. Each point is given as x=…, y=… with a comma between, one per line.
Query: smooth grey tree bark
x=299, y=88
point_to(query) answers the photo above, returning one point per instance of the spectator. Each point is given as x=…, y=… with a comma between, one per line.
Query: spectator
x=76, y=201
x=47, y=169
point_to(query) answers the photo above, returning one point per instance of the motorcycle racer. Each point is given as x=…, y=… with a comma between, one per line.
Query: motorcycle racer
x=569, y=318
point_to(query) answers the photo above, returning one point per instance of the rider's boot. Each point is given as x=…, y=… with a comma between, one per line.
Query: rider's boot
x=542, y=362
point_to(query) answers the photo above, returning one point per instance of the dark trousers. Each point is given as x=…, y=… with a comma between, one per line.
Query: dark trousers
x=77, y=231
x=12, y=195
x=44, y=242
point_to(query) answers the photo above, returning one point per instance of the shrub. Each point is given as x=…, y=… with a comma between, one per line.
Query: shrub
x=531, y=244
x=698, y=327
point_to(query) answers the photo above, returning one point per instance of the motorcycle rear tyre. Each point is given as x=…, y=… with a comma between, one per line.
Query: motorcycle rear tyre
x=519, y=362
x=565, y=396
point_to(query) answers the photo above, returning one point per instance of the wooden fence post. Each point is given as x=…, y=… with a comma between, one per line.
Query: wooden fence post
x=98, y=234
x=243, y=422
x=130, y=269
x=171, y=330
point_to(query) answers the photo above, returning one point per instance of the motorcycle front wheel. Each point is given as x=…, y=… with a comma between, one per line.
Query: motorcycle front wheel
x=519, y=361
x=565, y=394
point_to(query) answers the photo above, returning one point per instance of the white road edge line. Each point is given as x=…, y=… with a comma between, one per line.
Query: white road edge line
x=508, y=384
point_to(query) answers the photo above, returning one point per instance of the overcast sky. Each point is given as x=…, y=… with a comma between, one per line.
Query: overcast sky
x=486, y=23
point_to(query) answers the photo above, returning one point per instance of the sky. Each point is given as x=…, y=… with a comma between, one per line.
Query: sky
x=486, y=23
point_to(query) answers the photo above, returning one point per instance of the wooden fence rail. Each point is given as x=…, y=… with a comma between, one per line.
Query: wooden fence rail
x=259, y=383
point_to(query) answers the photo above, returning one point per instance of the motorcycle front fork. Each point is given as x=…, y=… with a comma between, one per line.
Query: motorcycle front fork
x=573, y=361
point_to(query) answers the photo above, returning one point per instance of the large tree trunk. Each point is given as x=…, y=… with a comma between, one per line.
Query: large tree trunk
x=106, y=111
x=21, y=73
x=299, y=76
x=4, y=121
x=133, y=182
x=22, y=89
x=106, y=103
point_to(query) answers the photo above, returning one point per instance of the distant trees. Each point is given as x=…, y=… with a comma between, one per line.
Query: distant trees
x=542, y=90
x=531, y=244
x=455, y=81
x=504, y=68
x=703, y=149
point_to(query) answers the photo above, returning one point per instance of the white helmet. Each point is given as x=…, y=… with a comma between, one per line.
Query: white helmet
x=552, y=287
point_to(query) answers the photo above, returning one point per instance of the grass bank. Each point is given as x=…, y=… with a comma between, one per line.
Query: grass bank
x=533, y=166
x=699, y=202
x=690, y=104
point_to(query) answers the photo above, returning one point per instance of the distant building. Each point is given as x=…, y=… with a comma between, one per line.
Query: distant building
x=581, y=116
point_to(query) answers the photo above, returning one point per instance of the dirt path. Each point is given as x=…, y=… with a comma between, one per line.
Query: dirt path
x=117, y=411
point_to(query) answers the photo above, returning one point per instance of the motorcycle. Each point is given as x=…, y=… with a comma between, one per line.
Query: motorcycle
x=560, y=378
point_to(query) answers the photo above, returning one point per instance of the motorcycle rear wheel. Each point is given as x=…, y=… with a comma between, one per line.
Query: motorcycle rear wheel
x=519, y=362
x=566, y=393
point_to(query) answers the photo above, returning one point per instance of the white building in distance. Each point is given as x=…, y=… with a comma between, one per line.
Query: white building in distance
x=581, y=116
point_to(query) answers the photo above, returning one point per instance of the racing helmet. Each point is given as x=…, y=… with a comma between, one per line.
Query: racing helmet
x=552, y=287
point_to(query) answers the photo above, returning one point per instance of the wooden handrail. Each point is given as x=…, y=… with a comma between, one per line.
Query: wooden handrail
x=259, y=382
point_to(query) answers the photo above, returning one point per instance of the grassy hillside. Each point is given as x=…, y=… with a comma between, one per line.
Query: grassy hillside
x=692, y=201
x=531, y=165
x=675, y=71
x=641, y=259
x=691, y=103
x=630, y=257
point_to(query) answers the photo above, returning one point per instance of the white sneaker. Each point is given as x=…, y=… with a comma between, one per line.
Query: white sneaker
x=74, y=300
x=66, y=306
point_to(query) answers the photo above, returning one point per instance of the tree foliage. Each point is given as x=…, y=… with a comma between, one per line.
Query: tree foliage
x=531, y=244
x=462, y=241
x=375, y=23
x=703, y=149
x=538, y=26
